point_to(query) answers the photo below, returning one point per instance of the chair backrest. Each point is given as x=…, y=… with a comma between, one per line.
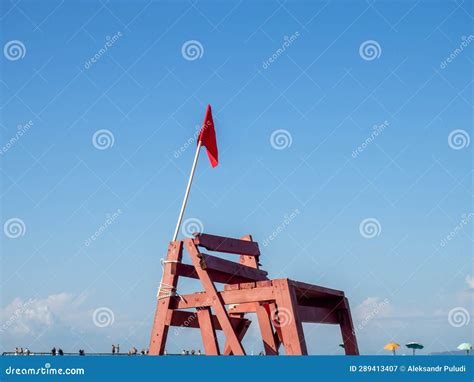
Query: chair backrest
x=222, y=270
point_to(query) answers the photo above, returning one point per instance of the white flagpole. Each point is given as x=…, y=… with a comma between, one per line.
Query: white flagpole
x=169, y=290
x=186, y=195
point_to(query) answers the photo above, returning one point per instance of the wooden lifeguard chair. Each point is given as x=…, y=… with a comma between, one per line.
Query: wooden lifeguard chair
x=281, y=305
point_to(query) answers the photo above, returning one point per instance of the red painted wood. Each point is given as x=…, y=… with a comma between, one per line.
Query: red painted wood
x=213, y=263
x=180, y=318
x=217, y=301
x=240, y=329
x=160, y=329
x=290, y=324
x=247, y=289
x=186, y=270
x=347, y=330
x=227, y=244
x=309, y=290
x=266, y=329
x=238, y=296
x=208, y=332
x=318, y=315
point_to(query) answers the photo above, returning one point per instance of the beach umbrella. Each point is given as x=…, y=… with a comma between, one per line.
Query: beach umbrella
x=466, y=346
x=393, y=346
x=414, y=346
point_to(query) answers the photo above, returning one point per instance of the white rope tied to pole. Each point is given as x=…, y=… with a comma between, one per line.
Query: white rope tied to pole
x=166, y=290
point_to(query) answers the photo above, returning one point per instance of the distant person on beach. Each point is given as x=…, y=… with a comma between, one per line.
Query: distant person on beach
x=27, y=351
x=53, y=351
x=113, y=349
x=117, y=348
x=60, y=351
x=81, y=352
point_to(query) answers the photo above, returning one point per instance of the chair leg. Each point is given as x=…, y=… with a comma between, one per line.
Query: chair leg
x=347, y=330
x=266, y=328
x=290, y=324
x=159, y=331
x=208, y=332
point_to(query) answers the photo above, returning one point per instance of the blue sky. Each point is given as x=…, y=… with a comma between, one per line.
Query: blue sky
x=289, y=117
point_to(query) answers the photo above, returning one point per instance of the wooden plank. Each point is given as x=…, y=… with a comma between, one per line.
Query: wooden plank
x=195, y=300
x=240, y=329
x=217, y=300
x=317, y=315
x=227, y=244
x=159, y=331
x=290, y=324
x=247, y=285
x=186, y=319
x=250, y=261
x=213, y=263
x=186, y=270
x=208, y=332
x=247, y=307
x=309, y=290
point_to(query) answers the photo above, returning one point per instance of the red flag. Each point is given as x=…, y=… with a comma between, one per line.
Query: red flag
x=207, y=137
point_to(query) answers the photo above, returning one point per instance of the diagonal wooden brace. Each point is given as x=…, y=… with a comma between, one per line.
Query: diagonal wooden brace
x=217, y=303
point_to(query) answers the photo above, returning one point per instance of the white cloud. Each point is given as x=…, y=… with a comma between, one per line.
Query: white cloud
x=372, y=307
x=470, y=281
x=31, y=316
